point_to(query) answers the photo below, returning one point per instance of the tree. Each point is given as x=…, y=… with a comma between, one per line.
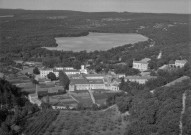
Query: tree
x=95, y=107
x=36, y=71
x=35, y=81
x=51, y=76
x=122, y=84
x=123, y=103
x=45, y=106
x=64, y=80
x=80, y=106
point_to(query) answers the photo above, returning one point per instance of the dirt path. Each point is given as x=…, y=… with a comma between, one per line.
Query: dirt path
x=73, y=97
x=182, y=112
x=92, y=97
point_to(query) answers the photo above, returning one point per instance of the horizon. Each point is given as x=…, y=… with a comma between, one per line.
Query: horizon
x=93, y=11
x=136, y=6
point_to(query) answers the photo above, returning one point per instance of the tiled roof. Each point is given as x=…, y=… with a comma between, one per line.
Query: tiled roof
x=46, y=85
x=96, y=81
x=181, y=61
x=140, y=77
x=145, y=59
x=46, y=69
x=79, y=81
x=141, y=62
x=94, y=75
x=71, y=70
x=85, y=81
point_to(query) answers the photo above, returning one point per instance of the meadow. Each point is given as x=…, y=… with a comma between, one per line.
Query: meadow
x=96, y=41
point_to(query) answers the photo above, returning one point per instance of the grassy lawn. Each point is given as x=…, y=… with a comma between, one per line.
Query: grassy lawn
x=109, y=122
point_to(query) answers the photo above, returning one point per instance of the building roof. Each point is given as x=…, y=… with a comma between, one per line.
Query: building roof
x=76, y=76
x=163, y=67
x=94, y=75
x=18, y=61
x=146, y=60
x=46, y=69
x=140, y=62
x=46, y=85
x=143, y=61
x=55, y=70
x=79, y=81
x=96, y=81
x=141, y=77
x=85, y=81
x=71, y=70
x=28, y=70
x=68, y=68
x=181, y=61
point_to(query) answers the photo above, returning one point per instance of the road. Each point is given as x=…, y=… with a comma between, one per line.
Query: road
x=182, y=112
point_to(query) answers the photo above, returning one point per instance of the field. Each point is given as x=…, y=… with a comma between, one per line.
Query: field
x=109, y=122
x=83, y=97
x=61, y=100
x=38, y=124
x=96, y=41
x=101, y=96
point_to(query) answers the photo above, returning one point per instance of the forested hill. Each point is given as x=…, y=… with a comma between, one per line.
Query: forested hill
x=24, y=32
x=14, y=108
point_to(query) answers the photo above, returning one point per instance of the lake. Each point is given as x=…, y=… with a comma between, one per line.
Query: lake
x=96, y=41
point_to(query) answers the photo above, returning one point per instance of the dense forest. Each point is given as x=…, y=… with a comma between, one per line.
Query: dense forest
x=14, y=109
x=23, y=35
x=155, y=113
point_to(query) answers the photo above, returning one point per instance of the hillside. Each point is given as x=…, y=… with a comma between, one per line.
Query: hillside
x=23, y=35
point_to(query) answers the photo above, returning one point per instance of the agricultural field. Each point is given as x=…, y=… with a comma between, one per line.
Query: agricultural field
x=100, y=98
x=83, y=98
x=105, y=122
x=38, y=124
x=96, y=41
x=60, y=100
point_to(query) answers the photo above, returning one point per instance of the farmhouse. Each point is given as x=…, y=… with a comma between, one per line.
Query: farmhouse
x=139, y=79
x=180, y=63
x=141, y=65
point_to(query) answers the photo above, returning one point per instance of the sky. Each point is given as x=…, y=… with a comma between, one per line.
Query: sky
x=151, y=6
